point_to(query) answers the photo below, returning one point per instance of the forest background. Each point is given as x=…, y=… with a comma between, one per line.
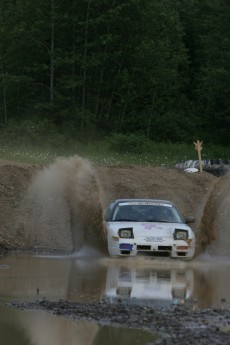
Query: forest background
x=127, y=72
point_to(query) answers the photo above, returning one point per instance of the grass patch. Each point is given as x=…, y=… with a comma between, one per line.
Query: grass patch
x=101, y=153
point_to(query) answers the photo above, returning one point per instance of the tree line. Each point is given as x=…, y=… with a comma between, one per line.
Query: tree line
x=157, y=68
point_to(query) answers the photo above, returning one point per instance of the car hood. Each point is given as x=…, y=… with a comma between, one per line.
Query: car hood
x=148, y=228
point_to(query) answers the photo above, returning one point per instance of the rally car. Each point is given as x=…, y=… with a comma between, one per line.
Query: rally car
x=148, y=227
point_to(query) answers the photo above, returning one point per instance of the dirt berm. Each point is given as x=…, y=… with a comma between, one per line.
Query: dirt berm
x=48, y=207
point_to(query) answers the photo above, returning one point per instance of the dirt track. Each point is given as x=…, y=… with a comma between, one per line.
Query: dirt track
x=202, y=195
x=28, y=191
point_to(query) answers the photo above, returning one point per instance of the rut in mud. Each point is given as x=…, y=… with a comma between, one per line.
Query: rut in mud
x=59, y=207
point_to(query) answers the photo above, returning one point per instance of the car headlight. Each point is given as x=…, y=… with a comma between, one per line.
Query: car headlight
x=180, y=234
x=125, y=233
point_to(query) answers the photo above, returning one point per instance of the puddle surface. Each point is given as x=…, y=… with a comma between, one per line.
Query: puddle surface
x=40, y=328
x=83, y=278
x=142, y=281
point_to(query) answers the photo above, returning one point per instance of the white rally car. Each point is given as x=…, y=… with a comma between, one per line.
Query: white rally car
x=148, y=227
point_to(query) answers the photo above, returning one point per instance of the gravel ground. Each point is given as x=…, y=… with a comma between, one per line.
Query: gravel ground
x=182, y=324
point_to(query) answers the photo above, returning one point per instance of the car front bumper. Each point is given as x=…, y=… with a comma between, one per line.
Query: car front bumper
x=168, y=247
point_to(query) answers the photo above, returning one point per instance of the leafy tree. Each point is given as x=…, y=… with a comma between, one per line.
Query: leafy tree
x=153, y=68
x=207, y=29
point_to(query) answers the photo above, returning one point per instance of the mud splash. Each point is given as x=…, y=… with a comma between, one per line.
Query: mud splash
x=64, y=207
x=215, y=221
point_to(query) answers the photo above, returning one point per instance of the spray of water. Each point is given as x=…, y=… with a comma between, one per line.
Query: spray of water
x=64, y=207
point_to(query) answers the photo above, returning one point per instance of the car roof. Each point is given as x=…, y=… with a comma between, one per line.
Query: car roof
x=143, y=200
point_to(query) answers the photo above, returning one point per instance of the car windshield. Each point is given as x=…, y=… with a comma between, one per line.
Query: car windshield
x=146, y=212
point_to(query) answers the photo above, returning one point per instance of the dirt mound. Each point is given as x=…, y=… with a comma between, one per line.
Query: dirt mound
x=14, y=182
x=73, y=193
x=215, y=222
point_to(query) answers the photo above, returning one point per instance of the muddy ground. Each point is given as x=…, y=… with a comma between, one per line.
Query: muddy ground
x=46, y=208
x=183, y=324
x=40, y=207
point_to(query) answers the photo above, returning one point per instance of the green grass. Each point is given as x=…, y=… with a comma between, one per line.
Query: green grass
x=100, y=153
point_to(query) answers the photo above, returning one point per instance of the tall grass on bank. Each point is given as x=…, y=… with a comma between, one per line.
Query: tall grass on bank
x=104, y=153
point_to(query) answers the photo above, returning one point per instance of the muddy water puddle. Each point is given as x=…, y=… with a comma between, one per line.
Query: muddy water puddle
x=40, y=328
x=81, y=278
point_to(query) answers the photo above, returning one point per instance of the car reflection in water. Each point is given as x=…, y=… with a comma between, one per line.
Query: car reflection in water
x=148, y=286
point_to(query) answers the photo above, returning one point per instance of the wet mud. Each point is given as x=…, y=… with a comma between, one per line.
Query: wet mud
x=215, y=221
x=24, y=328
x=180, y=324
x=59, y=208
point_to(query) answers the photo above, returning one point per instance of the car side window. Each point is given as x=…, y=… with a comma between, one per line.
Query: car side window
x=108, y=213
